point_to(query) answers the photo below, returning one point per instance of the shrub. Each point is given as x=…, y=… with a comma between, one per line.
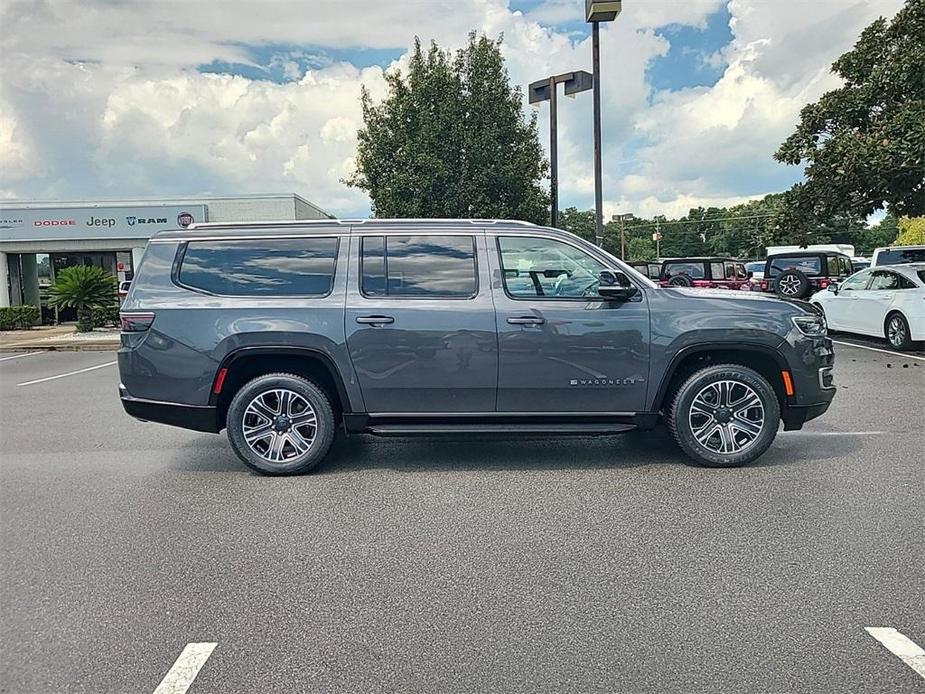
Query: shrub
x=18, y=317
x=83, y=287
x=102, y=316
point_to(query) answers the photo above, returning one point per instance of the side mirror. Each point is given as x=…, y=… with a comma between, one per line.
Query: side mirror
x=616, y=286
x=833, y=287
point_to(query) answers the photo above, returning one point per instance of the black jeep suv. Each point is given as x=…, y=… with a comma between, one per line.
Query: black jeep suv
x=285, y=333
x=800, y=274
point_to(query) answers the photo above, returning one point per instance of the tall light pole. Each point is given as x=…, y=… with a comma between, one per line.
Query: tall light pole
x=597, y=11
x=623, y=219
x=545, y=90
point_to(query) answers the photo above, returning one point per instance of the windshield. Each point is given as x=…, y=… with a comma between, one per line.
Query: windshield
x=811, y=265
x=897, y=256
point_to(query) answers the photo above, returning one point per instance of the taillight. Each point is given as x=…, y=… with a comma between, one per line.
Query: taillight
x=764, y=285
x=823, y=284
x=136, y=322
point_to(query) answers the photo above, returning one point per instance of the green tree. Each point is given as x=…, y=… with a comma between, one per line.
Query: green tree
x=864, y=143
x=83, y=287
x=911, y=232
x=881, y=234
x=579, y=222
x=450, y=140
x=640, y=248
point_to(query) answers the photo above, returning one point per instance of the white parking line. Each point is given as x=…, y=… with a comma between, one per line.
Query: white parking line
x=874, y=349
x=901, y=646
x=17, y=356
x=69, y=373
x=836, y=433
x=179, y=678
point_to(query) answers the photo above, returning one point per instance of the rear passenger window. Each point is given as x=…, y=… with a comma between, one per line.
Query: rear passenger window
x=419, y=266
x=272, y=267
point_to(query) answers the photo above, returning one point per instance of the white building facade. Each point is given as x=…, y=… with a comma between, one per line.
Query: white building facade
x=112, y=234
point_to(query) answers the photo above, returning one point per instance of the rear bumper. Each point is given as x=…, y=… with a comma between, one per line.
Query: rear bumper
x=197, y=418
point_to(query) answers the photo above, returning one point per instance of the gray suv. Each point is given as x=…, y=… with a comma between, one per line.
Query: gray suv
x=284, y=333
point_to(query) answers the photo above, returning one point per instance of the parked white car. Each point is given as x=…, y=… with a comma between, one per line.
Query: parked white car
x=884, y=302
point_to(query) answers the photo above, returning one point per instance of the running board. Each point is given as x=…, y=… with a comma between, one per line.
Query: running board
x=445, y=429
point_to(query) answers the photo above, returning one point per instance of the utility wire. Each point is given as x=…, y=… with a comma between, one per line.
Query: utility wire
x=630, y=226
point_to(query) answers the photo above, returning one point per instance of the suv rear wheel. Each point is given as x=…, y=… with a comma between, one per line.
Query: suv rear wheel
x=724, y=416
x=280, y=424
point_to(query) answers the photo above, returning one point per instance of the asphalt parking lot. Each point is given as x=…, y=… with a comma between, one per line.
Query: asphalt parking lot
x=425, y=565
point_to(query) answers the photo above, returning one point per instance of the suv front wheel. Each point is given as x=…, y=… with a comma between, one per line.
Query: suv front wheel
x=724, y=416
x=280, y=424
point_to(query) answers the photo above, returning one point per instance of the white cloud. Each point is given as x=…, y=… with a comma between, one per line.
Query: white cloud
x=103, y=99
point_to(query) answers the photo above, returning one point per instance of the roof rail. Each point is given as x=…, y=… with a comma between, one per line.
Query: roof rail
x=355, y=222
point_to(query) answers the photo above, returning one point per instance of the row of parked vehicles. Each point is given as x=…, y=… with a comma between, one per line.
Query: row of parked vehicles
x=880, y=297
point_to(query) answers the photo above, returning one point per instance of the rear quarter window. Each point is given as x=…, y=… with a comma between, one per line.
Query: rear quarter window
x=271, y=267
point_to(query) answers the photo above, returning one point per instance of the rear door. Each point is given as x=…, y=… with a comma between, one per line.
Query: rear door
x=420, y=321
x=561, y=347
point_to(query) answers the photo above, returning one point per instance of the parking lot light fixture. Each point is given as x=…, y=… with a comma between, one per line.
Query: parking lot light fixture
x=545, y=90
x=597, y=11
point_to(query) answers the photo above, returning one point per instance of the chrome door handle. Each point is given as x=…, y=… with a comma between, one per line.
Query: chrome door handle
x=375, y=320
x=526, y=320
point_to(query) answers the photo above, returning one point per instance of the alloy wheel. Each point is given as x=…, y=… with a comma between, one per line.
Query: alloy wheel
x=726, y=417
x=897, y=331
x=789, y=285
x=279, y=425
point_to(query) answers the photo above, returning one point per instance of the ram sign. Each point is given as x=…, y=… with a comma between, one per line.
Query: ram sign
x=76, y=223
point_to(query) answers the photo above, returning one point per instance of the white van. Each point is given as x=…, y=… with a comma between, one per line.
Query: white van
x=898, y=255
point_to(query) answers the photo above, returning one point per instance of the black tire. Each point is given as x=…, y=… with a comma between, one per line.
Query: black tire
x=792, y=284
x=896, y=331
x=681, y=281
x=679, y=417
x=294, y=462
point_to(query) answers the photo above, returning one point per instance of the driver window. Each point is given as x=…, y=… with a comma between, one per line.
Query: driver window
x=545, y=268
x=858, y=281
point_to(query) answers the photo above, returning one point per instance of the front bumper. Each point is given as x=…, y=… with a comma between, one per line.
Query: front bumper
x=794, y=417
x=810, y=361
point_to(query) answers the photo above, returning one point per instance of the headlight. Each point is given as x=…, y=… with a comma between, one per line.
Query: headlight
x=811, y=325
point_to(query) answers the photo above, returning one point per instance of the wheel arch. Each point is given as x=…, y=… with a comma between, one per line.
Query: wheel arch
x=761, y=358
x=246, y=363
x=890, y=312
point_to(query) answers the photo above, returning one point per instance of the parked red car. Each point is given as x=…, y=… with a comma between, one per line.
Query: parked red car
x=717, y=273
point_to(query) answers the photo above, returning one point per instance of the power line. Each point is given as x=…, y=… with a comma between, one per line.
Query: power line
x=649, y=225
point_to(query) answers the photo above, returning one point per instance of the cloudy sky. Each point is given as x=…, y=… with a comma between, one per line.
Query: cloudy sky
x=135, y=98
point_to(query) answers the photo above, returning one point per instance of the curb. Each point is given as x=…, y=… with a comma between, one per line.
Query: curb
x=60, y=347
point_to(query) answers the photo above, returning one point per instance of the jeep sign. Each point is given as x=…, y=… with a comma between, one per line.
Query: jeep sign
x=78, y=223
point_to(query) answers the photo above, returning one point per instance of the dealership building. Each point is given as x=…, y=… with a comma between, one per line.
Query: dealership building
x=38, y=238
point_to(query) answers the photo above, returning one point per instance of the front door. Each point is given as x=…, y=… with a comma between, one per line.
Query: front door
x=420, y=323
x=842, y=312
x=561, y=347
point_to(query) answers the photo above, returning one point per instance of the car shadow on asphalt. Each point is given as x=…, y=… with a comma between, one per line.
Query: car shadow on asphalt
x=412, y=455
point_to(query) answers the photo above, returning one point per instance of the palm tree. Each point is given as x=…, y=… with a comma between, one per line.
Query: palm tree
x=82, y=287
